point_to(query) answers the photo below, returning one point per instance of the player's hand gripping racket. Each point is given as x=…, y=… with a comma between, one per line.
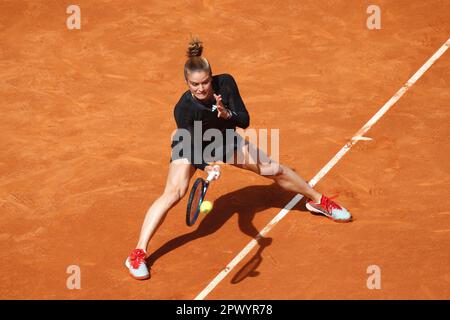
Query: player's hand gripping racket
x=197, y=195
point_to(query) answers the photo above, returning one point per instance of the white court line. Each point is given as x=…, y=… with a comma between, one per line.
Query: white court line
x=358, y=136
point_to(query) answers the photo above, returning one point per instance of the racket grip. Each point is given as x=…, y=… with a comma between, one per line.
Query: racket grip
x=214, y=173
x=211, y=175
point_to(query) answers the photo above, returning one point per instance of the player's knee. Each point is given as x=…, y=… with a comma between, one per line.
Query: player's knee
x=273, y=169
x=174, y=194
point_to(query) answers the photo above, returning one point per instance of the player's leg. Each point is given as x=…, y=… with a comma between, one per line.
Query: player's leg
x=180, y=172
x=289, y=180
x=257, y=161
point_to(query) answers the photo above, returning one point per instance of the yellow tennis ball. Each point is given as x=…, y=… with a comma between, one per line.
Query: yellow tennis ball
x=206, y=207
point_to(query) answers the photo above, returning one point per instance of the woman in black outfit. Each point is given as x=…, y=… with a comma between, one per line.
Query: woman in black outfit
x=215, y=102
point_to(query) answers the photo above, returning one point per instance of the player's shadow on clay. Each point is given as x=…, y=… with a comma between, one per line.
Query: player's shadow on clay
x=245, y=202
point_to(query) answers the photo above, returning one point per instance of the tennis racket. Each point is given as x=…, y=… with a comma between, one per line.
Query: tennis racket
x=196, y=197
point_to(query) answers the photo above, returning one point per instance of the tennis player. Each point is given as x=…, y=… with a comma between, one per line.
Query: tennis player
x=215, y=101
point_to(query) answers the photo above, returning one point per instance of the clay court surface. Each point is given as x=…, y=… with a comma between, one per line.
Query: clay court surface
x=86, y=122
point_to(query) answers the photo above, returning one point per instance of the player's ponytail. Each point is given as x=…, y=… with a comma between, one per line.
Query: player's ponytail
x=195, y=60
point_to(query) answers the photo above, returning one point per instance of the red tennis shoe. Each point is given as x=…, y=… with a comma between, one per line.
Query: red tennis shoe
x=330, y=209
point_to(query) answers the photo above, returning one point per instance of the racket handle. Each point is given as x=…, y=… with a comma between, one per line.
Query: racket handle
x=211, y=175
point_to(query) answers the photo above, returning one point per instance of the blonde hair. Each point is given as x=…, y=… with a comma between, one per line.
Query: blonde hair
x=195, y=61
